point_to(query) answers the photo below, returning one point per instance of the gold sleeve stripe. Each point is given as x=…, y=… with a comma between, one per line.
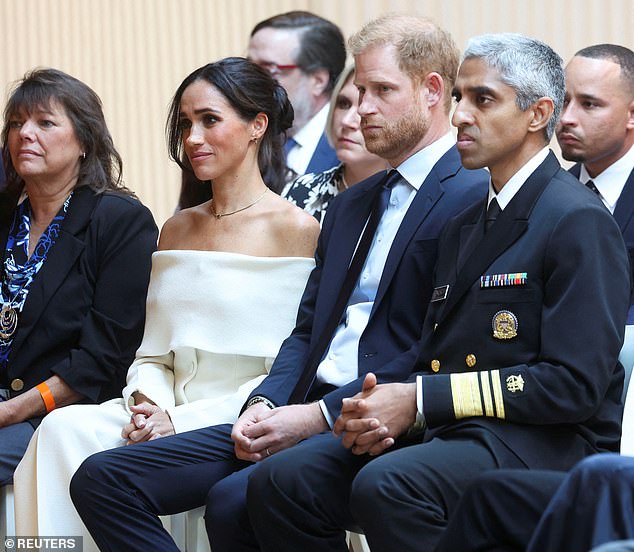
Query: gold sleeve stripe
x=465, y=392
x=486, y=395
x=497, y=393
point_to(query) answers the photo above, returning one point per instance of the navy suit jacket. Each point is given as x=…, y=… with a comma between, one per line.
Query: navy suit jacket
x=324, y=157
x=388, y=344
x=551, y=393
x=624, y=216
x=84, y=314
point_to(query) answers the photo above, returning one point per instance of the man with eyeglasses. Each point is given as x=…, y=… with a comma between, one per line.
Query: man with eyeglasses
x=305, y=53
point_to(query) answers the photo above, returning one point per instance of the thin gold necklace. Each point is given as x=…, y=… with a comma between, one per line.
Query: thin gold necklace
x=220, y=215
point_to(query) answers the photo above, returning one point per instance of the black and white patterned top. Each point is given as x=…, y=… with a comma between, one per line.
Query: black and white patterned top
x=313, y=191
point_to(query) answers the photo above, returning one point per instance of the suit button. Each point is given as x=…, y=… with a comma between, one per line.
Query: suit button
x=17, y=384
x=435, y=365
x=470, y=360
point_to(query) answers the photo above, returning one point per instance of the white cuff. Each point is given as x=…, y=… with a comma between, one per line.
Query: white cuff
x=324, y=411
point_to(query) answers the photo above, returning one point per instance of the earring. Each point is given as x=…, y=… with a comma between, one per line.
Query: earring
x=83, y=155
x=254, y=139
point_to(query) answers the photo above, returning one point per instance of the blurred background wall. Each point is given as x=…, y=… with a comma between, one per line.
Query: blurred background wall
x=134, y=53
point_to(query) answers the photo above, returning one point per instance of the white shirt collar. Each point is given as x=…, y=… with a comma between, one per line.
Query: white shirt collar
x=307, y=139
x=310, y=133
x=611, y=181
x=517, y=180
x=416, y=168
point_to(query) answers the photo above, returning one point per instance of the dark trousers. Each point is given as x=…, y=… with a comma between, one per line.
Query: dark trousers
x=119, y=493
x=546, y=511
x=13, y=442
x=401, y=499
x=500, y=510
x=594, y=505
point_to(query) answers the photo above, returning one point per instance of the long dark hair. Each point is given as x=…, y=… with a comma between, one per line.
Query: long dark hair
x=250, y=90
x=101, y=168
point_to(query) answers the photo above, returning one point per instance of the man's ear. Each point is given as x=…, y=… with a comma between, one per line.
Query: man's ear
x=319, y=82
x=630, y=119
x=434, y=87
x=542, y=110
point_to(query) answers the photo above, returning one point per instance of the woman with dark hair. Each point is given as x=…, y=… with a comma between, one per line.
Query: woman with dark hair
x=195, y=191
x=214, y=321
x=75, y=256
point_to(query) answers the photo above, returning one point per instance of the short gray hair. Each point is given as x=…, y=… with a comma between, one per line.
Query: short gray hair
x=531, y=67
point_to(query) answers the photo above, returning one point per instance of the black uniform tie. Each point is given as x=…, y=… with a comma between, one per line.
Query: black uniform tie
x=492, y=213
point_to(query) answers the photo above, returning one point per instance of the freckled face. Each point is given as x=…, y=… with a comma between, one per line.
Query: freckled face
x=393, y=120
x=215, y=138
x=43, y=145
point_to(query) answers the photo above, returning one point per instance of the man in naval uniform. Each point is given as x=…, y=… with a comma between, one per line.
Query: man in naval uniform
x=518, y=360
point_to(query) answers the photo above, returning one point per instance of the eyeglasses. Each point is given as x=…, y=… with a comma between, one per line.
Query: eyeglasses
x=274, y=68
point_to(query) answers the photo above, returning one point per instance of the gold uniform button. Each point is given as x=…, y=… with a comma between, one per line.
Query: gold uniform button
x=435, y=365
x=470, y=360
x=17, y=384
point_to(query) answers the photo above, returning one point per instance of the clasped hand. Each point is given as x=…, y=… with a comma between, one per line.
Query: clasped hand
x=260, y=431
x=371, y=420
x=148, y=422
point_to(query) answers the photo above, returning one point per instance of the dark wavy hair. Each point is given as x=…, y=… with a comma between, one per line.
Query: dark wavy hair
x=101, y=169
x=250, y=90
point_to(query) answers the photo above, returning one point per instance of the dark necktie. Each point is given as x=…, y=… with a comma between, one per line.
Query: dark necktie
x=591, y=185
x=492, y=213
x=352, y=276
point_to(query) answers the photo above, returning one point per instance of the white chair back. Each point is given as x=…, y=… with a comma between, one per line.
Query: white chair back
x=627, y=360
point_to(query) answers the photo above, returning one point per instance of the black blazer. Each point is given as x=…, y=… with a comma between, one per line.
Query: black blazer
x=624, y=216
x=84, y=314
x=551, y=393
x=388, y=344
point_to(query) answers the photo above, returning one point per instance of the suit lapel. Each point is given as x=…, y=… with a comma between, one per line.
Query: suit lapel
x=471, y=235
x=508, y=227
x=341, y=248
x=5, y=225
x=427, y=196
x=624, y=209
x=324, y=157
x=59, y=261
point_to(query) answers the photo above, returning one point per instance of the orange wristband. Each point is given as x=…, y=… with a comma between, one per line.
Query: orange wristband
x=47, y=396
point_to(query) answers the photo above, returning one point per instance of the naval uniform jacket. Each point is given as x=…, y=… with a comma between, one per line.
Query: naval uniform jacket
x=84, y=314
x=624, y=216
x=388, y=345
x=531, y=363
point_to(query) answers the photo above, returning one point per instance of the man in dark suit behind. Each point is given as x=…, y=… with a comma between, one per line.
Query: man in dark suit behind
x=597, y=131
x=522, y=280
x=359, y=313
x=305, y=53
